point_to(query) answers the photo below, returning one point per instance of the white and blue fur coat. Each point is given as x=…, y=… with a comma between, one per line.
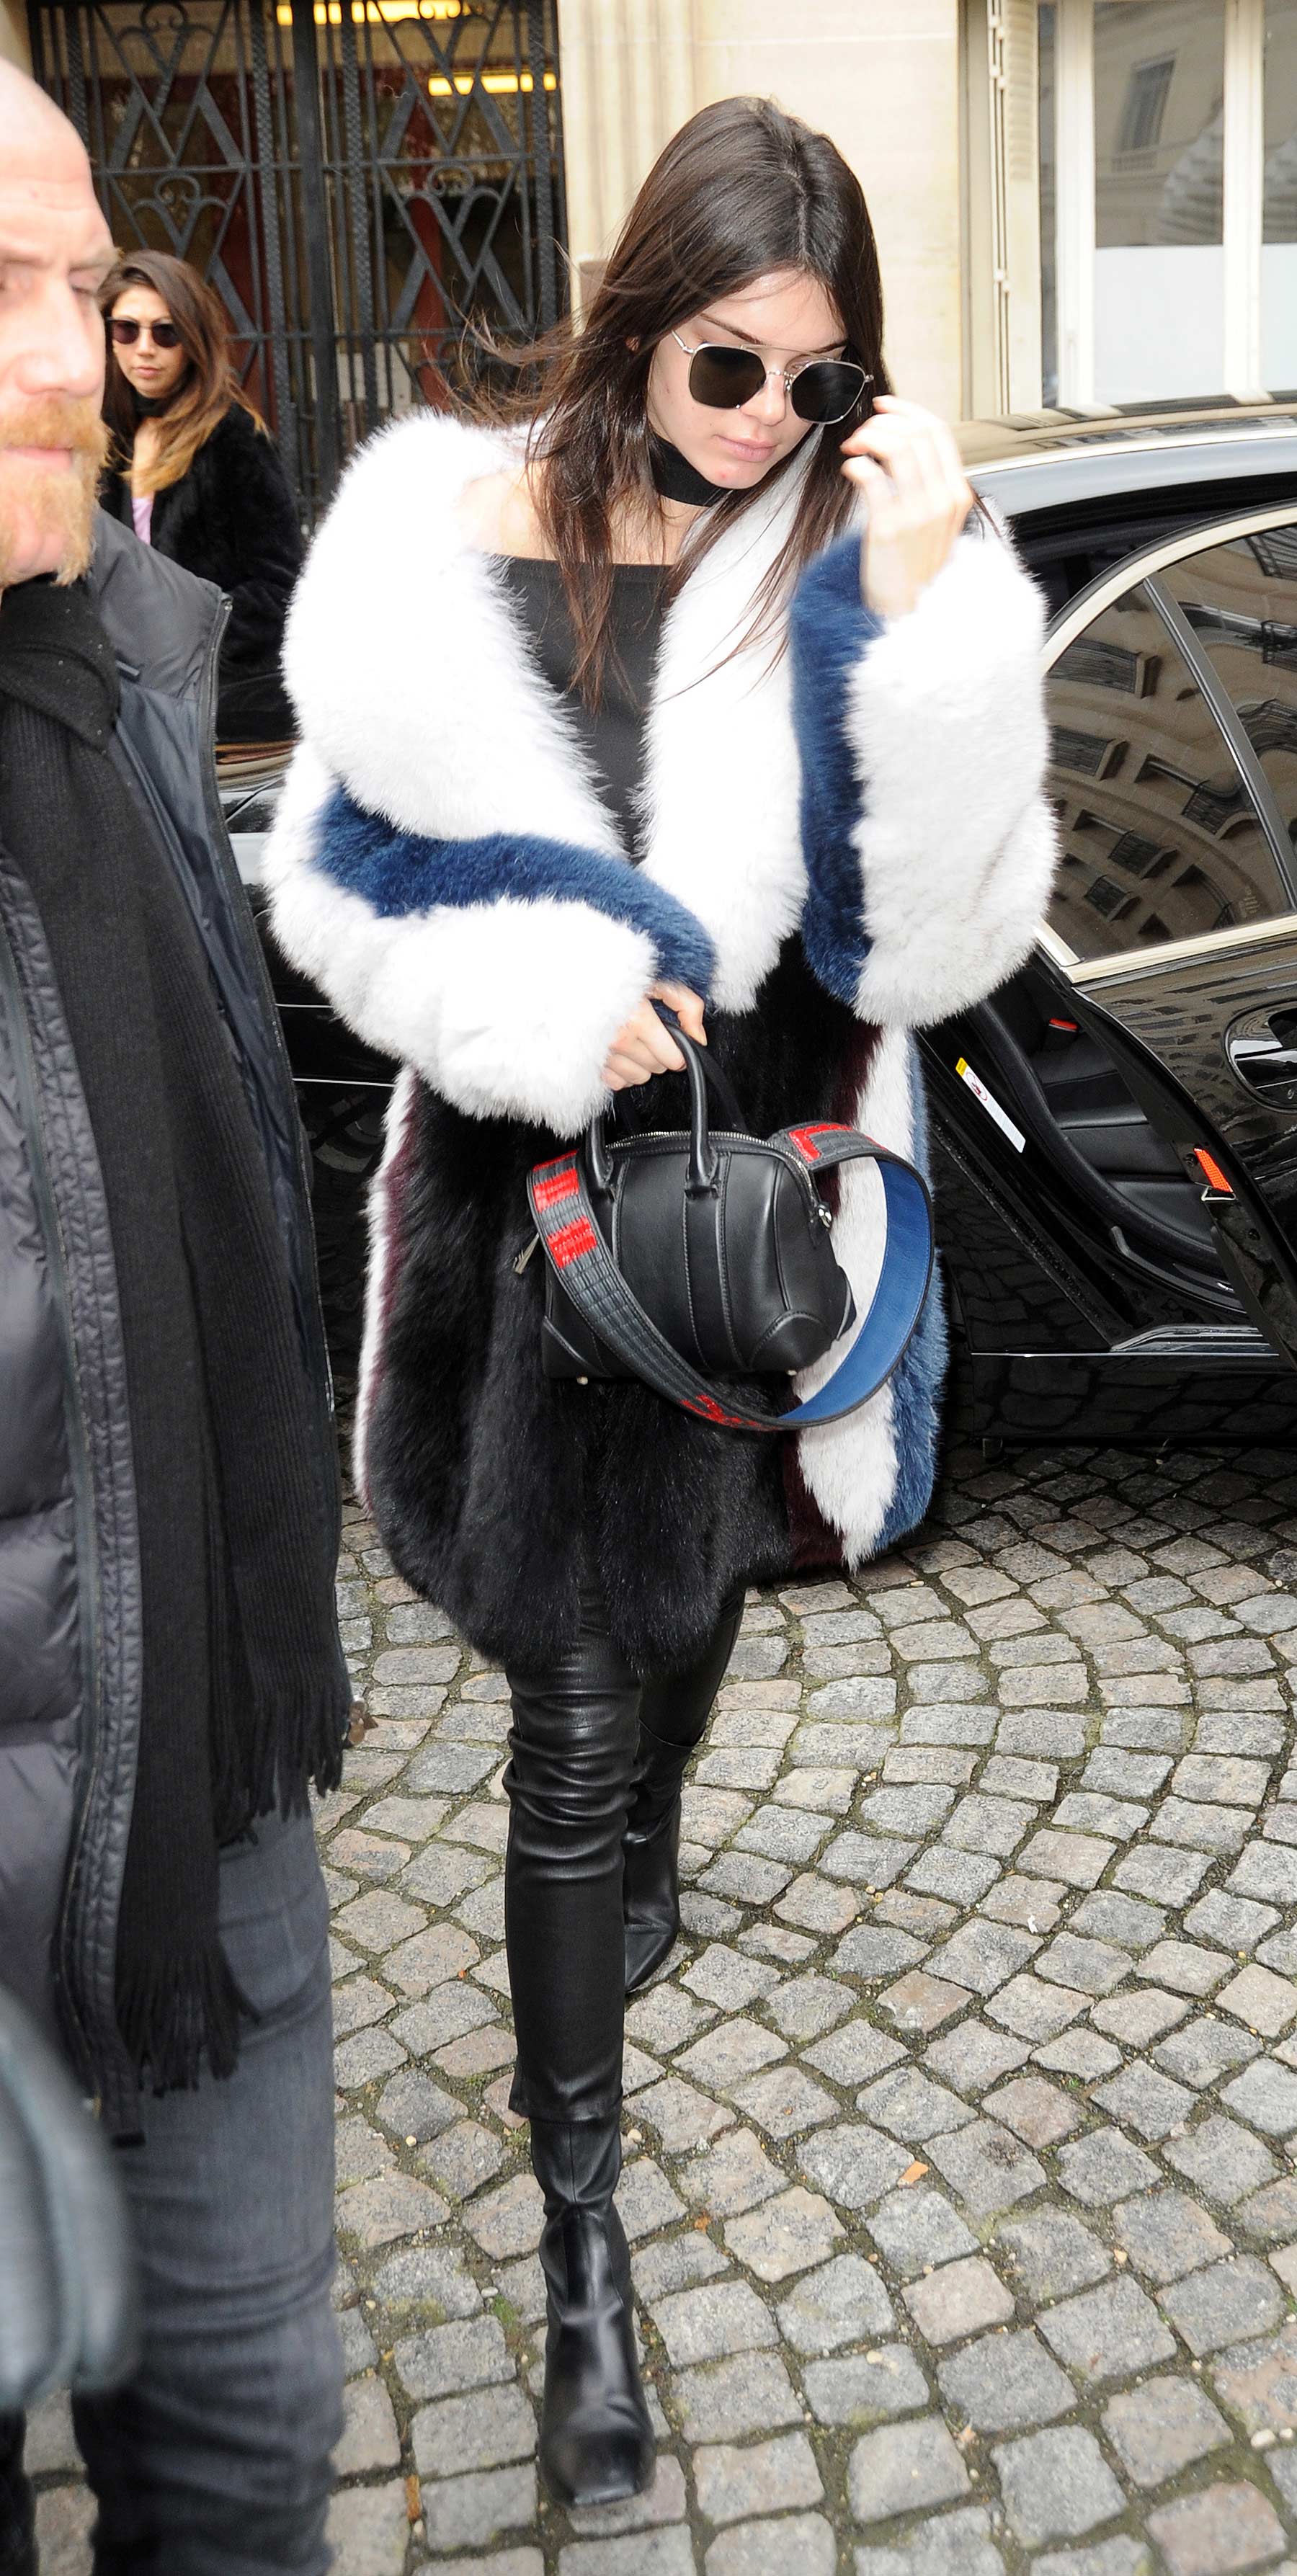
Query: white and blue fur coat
x=841, y=844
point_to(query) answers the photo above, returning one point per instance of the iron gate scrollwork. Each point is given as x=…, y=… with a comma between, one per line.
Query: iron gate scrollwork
x=360, y=180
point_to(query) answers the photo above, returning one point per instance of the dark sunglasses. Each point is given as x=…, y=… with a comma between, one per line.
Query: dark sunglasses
x=824, y=389
x=164, y=335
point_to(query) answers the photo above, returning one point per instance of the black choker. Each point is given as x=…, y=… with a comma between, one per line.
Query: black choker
x=677, y=480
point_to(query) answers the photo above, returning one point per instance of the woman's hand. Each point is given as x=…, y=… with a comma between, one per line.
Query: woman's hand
x=645, y=1046
x=918, y=496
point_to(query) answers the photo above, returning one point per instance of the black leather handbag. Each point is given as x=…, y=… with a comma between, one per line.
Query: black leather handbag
x=695, y=1259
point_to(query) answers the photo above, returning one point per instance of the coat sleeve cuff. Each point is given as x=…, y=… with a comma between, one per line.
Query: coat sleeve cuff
x=501, y=971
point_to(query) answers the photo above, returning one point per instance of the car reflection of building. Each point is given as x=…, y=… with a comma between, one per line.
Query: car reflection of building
x=1173, y=850
x=1178, y=846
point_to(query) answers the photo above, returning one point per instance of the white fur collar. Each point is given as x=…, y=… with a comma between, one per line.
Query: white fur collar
x=440, y=718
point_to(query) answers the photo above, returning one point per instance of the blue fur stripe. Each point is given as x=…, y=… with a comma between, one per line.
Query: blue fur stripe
x=917, y=1385
x=397, y=873
x=830, y=631
x=916, y=1421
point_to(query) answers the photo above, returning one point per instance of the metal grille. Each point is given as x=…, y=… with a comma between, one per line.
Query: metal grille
x=1215, y=808
x=1270, y=725
x=362, y=181
x=1106, y=897
x=1279, y=644
x=1139, y=856
x=1090, y=755
x=1093, y=663
x=1275, y=550
x=1268, y=636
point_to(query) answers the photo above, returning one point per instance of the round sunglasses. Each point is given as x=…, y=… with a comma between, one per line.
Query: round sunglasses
x=823, y=389
x=164, y=335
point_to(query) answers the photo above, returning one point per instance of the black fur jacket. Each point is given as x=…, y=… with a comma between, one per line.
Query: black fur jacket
x=841, y=843
x=232, y=520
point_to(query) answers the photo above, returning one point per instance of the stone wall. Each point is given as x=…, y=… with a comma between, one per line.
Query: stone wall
x=14, y=47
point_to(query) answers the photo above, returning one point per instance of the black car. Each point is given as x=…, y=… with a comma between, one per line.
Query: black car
x=1115, y=1132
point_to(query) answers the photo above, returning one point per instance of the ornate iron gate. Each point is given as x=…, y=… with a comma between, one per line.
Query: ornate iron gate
x=359, y=179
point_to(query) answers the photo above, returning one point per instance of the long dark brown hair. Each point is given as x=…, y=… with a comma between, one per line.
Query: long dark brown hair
x=741, y=191
x=204, y=394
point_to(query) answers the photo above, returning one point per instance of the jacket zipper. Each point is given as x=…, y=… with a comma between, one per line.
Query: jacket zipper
x=82, y=1476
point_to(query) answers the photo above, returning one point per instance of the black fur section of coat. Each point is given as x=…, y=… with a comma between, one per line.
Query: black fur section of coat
x=232, y=520
x=482, y=1471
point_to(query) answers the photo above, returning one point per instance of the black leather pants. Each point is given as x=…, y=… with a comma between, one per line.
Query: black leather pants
x=573, y=1745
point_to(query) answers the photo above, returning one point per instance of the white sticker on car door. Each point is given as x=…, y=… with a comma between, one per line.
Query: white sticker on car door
x=991, y=1105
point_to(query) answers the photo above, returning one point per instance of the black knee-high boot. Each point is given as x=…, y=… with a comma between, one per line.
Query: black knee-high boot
x=573, y=1753
x=673, y=1720
x=596, y=2440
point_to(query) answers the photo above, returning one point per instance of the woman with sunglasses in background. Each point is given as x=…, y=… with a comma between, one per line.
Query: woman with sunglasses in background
x=704, y=690
x=194, y=471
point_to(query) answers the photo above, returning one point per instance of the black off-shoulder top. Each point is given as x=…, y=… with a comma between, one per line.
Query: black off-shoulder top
x=611, y=734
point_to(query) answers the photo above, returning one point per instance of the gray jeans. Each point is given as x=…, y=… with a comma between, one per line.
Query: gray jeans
x=214, y=2459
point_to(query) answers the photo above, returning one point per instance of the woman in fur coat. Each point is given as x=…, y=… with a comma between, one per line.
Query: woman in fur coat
x=194, y=472
x=706, y=691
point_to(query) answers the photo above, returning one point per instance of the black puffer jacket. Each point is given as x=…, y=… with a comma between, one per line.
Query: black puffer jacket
x=231, y=520
x=70, y=1653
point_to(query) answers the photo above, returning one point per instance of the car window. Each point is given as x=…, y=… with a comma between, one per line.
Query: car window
x=1159, y=839
x=1241, y=601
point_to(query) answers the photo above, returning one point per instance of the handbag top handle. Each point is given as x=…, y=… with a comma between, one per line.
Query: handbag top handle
x=704, y=1162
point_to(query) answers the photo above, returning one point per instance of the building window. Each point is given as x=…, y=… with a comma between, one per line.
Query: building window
x=1168, y=198
x=1146, y=96
x=1279, y=200
x=1159, y=310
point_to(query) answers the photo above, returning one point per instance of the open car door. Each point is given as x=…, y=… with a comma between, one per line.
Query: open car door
x=1178, y=1038
x=1173, y=701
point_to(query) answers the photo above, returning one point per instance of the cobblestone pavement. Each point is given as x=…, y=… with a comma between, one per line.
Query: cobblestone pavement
x=961, y=2132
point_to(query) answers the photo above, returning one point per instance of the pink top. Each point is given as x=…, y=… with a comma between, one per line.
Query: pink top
x=142, y=514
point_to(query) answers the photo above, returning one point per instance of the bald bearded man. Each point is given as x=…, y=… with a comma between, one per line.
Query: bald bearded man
x=171, y=1680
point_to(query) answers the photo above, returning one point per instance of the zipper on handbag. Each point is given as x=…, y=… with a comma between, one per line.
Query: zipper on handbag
x=732, y=1136
x=665, y=1135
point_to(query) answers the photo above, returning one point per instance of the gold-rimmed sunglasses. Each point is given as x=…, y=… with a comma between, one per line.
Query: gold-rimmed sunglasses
x=820, y=389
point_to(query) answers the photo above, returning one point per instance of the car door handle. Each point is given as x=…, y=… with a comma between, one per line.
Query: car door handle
x=1262, y=1051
